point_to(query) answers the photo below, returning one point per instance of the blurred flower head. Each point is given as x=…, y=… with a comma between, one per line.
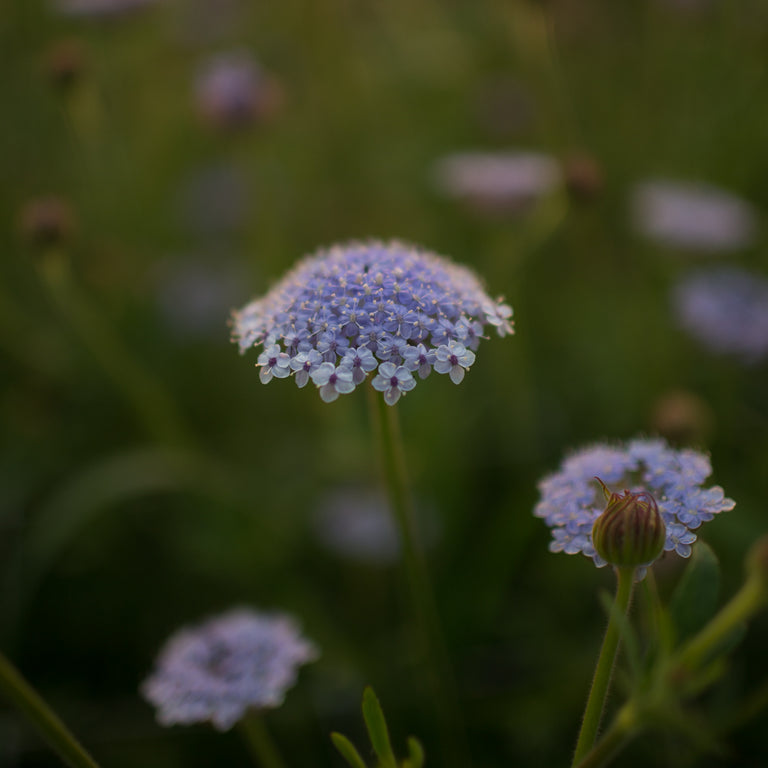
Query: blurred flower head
x=98, y=7
x=694, y=217
x=357, y=524
x=726, y=310
x=571, y=498
x=352, y=309
x=193, y=293
x=498, y=182
x=219, y=669
x=232, y=91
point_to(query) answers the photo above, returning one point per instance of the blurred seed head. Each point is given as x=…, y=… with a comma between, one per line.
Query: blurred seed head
x=682, y=418
x=233, y=92
x=498, y=182
x=692, y=216
x=64, y=63
x=47, y=221
x=583, y=176
x=726, y=310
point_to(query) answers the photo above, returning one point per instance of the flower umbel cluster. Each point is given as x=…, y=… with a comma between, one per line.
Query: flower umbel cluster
x=221, y=668
x=361, y=308
x=571, y=498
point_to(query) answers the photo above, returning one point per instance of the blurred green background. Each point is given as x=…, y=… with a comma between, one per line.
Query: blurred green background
x=148, y=479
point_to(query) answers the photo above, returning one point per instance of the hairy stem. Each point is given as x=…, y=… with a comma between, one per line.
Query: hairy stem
x=604, y=670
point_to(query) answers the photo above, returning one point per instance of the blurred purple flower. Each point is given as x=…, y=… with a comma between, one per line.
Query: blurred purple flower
x=232, y=91
x=218, y=670
x=356, y=523
x=571, y=498
x=501, y=182
x=98, y=8
x=692, y=216
x=363, y=305
x=726, y=310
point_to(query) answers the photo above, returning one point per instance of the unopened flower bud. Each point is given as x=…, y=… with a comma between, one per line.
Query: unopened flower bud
x=630, y=531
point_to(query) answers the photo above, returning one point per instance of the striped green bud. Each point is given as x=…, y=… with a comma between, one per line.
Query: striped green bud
x=630, y=531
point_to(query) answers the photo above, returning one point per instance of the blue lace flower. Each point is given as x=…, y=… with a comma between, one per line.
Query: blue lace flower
x=225, y=666
x=360, y=305
x=571, y=498
x=333, y=381
x=393, y=381
x=454, y=359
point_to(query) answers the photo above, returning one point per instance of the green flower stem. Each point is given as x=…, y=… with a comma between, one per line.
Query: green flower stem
x=387, y=428
x=26, y=699
x=260, y=743
x=623, y=728
x=744, y=604
x=605, y=662
x=152, y=405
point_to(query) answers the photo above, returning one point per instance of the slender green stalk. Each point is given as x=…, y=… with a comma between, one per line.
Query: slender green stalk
x=387, y=428
x=262, y=747
x=621, y=730
x=604, y=669
x=746, y=602
x=47, y=722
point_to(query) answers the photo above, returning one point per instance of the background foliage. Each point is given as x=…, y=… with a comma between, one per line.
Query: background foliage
x=147, y=478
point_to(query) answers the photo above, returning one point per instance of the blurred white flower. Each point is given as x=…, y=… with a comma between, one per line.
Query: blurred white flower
x=98, y=7
x=692, y=216
x=356, y=524
x=503, y=182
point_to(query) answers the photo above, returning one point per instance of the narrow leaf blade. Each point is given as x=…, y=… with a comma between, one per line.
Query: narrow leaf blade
x=377, y=729
x=347, y=750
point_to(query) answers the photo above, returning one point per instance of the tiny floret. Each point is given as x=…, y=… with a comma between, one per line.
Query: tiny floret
x=343, y=313
x=571, y=500
x=218, y=670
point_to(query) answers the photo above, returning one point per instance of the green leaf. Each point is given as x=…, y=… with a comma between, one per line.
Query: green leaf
x=377, y=729
x=415, y=754
x=694, y=601
x=347, y=750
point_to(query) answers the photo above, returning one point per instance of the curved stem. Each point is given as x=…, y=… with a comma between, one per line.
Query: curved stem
x=749, y=599
x=621, y=730
x=604, y=669
x=47, y=722
x=260, y=743
x=387, y=428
